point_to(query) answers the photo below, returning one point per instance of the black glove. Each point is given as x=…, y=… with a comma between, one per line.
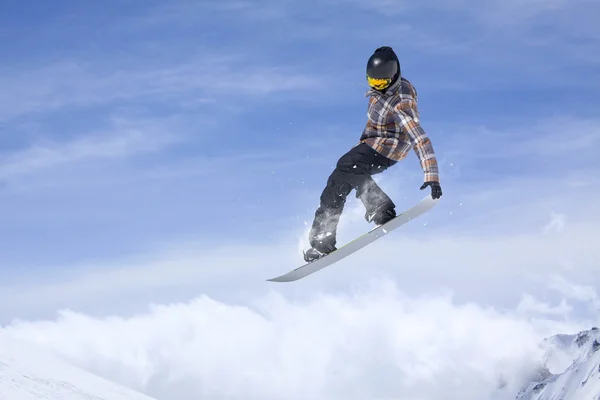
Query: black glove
x=436, y=189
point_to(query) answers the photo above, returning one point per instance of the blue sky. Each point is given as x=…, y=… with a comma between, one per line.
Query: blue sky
x=152, y=152
x=136, y=126
x=128, y=124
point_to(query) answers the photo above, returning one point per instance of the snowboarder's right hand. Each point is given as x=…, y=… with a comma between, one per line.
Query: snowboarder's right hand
x=436, y=189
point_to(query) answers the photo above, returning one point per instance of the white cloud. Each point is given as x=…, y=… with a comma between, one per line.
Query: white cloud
x=579, y=292
x=124, y=139
x=537, y=141
x=543, y=139
x=377, y=342
x=211, y=77
x=494, y=36
x=531, y=305
x=557, y=223
x=504, y=15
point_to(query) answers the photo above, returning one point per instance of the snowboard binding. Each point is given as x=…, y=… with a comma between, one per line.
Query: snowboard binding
x=312, y=254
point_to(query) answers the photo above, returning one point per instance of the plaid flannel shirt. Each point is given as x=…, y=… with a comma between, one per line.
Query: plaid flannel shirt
x=393, y=127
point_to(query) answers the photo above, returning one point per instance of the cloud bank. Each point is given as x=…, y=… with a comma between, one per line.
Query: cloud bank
x=376, y=342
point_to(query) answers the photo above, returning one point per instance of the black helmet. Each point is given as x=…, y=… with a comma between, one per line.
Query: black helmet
x=383, y=68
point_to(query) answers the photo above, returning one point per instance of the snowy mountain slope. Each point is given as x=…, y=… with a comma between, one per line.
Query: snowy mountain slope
x=29, y=374
x=572, y=369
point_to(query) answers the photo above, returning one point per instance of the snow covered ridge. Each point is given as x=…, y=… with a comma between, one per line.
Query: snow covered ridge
x=27, y=373
x=571, y=369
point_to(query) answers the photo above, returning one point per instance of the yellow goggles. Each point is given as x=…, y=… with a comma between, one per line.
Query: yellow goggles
x=379, y=84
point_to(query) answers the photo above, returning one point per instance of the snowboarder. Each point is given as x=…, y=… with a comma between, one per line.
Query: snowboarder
x=392, y=129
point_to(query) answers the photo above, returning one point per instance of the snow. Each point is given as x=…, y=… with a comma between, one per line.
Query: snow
x=27, y=373
x=572, y=368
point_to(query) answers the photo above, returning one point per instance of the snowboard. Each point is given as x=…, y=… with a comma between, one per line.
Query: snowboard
x=342, y=252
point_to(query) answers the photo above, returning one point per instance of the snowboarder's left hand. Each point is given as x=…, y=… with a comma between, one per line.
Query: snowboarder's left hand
x=436, y=189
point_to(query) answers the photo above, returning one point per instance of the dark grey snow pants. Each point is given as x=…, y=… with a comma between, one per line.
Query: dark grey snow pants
x=353, y=171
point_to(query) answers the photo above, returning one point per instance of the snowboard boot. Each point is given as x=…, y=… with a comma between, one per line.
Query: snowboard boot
x=321, y=245
x=381, y=215
x=313, y=254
